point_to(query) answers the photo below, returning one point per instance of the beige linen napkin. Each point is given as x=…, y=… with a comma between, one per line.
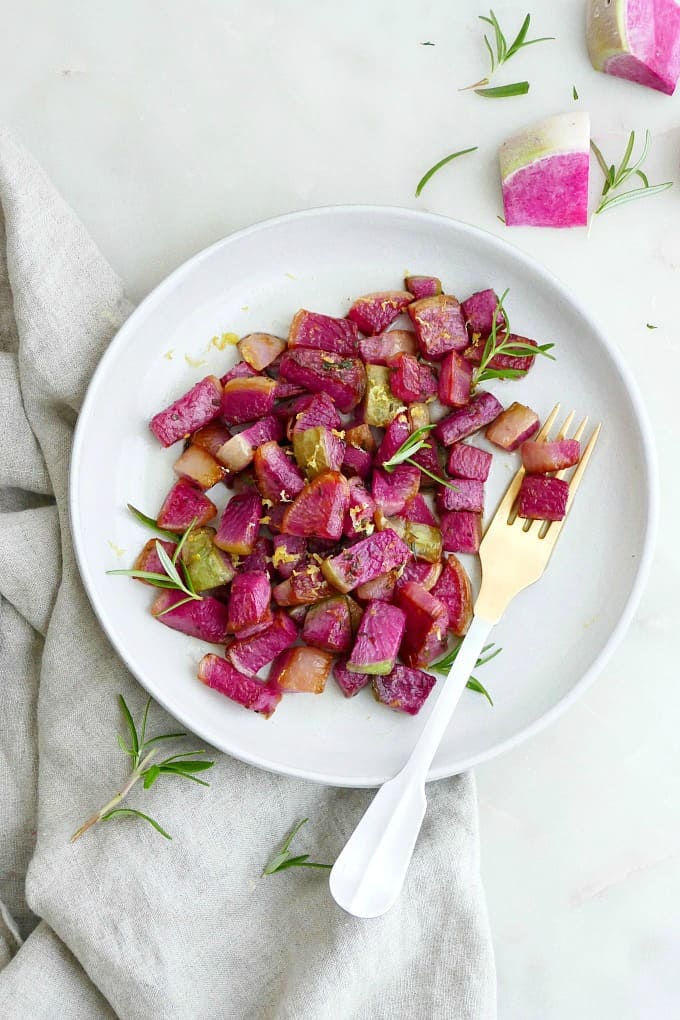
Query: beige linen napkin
x=124, y=923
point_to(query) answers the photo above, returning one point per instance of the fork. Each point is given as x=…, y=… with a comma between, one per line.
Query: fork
x=368, y=875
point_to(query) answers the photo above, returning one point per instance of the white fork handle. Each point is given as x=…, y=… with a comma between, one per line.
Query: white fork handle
x=368, y=875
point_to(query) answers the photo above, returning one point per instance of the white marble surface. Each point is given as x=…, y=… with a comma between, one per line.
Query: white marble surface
x=169, y=126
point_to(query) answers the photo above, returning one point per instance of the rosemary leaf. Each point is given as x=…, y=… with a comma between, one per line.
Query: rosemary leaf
x=650, y=326
x=138, y=814
x=134, y=738
x=283, y=858
x=442, y=162
x=149, y=522
x=574, y=93
x=518, y=88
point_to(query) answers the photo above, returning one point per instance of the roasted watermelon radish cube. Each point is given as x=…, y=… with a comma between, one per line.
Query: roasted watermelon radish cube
x=183, y=504
x=250, y=654
x=238, y=451
x=424, y=574
x=317, y=411
x=318, y=449
x=320, y=508
x=461, y=531
x=378, y=639
x=377, y=350
x=479, y=311
x=212, y=437
x=356, y=463
x=373, y=313
x=390, y=491
x=405, y=380
x=467, y=461
x=204, y=618
x=517, y=363
x=423, y=286
x=301, y=670
x=306, y=585
x=240, y=524
x=396, y=434
x=207, y=566
x=249, y=601
x=417, y=511
x=349, y=683
x=542, y=498
x=277, y=475
x=381, y=588
x=365, y=560
x=424, y=541
x=429, y=382
x=360, y=512
x=289, y=552
x=193, y=410
x=247, y=399
x=361, y=436
x=426, y=624
x=342, y=378
x=260, y=349
x=149, y=561
x=323, y=333
x=455, y=379
x=513, y=426
x=260, y=558
x=539, y=458
x=428, y=458
x=222, y=676
x=454, y=592
x=241, y=370
x=404, y=689
x=328, y=625
x=199, y=467
x=468, y=495
x=439, y=325
x=481, y=410
x=381, y=405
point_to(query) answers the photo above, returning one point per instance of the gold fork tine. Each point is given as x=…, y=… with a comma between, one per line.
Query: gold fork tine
x=562, y=434
x=505, y=505
x=555, y=527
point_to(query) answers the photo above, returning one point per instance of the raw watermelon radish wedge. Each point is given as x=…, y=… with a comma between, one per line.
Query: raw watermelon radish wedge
x=638, y=40
x=544, y=173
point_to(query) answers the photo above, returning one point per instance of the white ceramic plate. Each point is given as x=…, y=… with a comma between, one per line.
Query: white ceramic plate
x=555, y=636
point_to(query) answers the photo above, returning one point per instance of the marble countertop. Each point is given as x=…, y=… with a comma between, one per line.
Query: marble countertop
x=168, y=129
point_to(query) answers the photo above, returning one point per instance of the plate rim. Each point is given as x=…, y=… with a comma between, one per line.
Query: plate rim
x=649, y=455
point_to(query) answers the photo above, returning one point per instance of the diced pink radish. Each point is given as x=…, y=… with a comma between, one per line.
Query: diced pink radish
x=439, y=325
x=638, y=40
x=454, y=591
x=199, y=467
x=361, y=436
x=320, y=508
x=365, y=560
x=423, y=286
x=304, y=586
x=373, y=313
x=249, y=601
x=424, y=574
x=260, y=349
x=286, y=390
x=539, y=458
x=461, y=531
x=377, y=350
x=427, y=457
x=301, y=670
x=148, y=559
x=211, y=437
x=328, y=625
x=544, y=173
x=481, y=410
x=454, y=380
x=404, y=689
x=378, y=639
x=356, y=463
x=297, y=613
x=247, y=399
x=381, y=588
x=359, y=516
x=238, y=451
x=244, y=690
x=240, y=524
x=396, y=434
x=479, y=311
x=241, y=370
x=278, y=477
x=204, y=618
x=318, y=449
x=342, y=378
x=513, y=426
x=323, y=333
x=259, y=560
x=390, y=491
x=289, y=551
x=405, y=377
x=250, y=654
x=182, y=504
x=429, y=383
x=319, y=410
x=543, y=498
x=426, y=624
x=467, y=461
x=468, y=495
x=190, y=412
x=349, y=683
x=417, y=511
x=518, y=363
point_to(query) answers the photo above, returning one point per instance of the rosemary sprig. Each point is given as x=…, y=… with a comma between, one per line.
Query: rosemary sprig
x=283, y=859
x=500, y=52
x=500, y=341
x=405, y=455
x=615, y=177
x=141, y=752
x=442, y=162
x=171, y=578
x=444, y=665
